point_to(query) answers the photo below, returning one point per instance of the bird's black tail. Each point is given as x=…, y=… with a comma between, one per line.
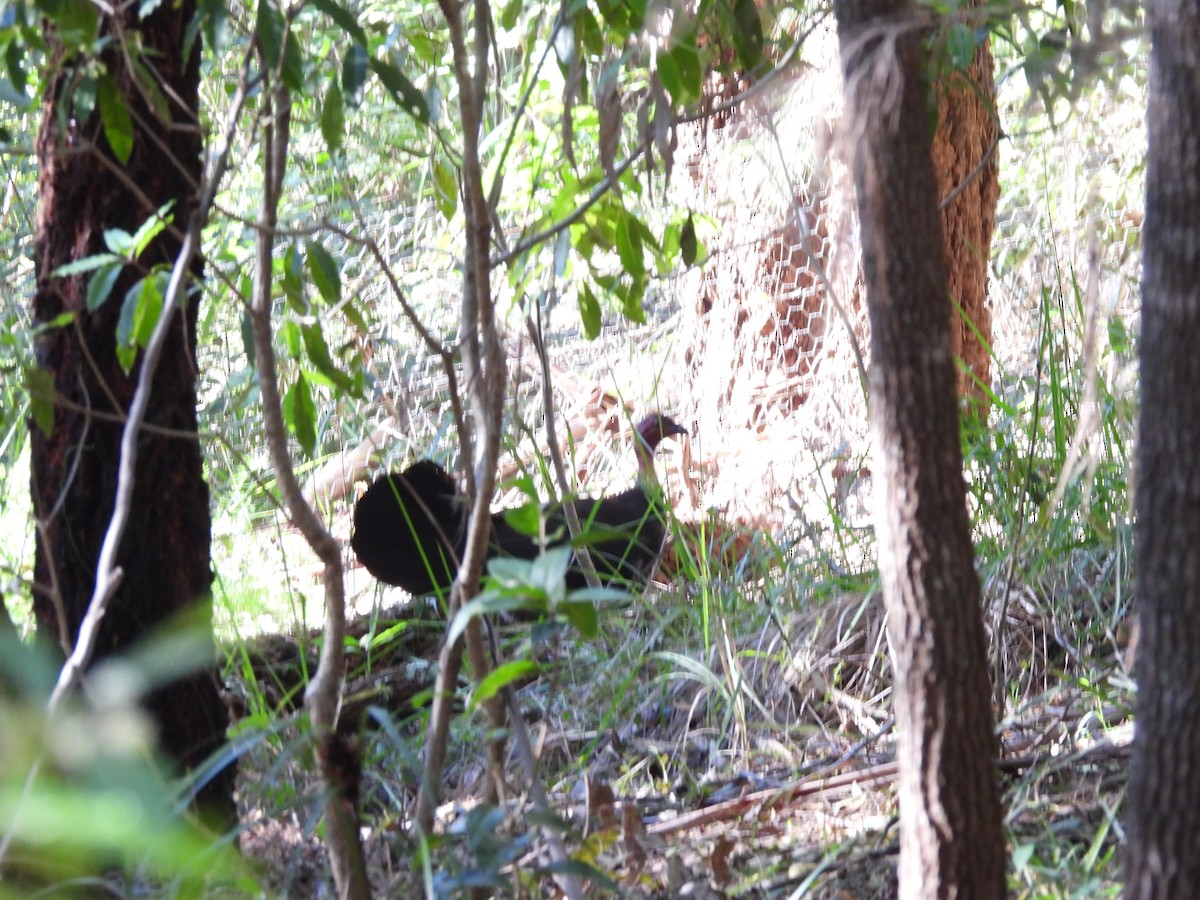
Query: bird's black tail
x=409, y=527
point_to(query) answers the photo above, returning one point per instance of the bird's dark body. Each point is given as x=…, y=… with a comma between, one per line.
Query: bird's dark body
x=410, y=527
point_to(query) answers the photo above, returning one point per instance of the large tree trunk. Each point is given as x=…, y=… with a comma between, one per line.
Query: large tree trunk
x=951, y=839
x=964, y=159
x=1164, y=784
x=84, y=190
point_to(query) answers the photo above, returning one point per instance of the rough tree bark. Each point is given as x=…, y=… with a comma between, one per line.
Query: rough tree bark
x=84, y=189
x=964, y=160
x=951, y=839
x=1163, y=815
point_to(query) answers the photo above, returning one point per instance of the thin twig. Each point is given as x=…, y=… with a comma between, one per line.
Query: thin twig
x=822, y=782
x=445, y=354
x=323, y=693
x=483, y=364
x=574, y=526
x=595, y=196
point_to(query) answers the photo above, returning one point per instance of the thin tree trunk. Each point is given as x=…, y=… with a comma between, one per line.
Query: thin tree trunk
x=964, y=160
x=951, y=840
x=85, y=190
x=1164, y=785
x=337, y=760
x=484, y=367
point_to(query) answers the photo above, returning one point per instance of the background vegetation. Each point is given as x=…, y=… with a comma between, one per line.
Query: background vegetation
x=763, y=661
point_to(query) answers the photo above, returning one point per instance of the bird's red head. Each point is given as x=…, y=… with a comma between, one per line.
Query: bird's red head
x=657, y=426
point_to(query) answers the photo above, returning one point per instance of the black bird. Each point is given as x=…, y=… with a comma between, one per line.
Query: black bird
x=410, y=527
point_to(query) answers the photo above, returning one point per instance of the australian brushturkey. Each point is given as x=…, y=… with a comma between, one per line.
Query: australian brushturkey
x=410, y=527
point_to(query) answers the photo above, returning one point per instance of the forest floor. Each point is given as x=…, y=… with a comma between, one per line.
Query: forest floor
x=763, y=765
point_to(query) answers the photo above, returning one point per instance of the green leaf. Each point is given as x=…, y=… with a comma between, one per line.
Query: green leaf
x=269, y=26
x=549, y=570
x=403, y=91
x=333, y=118
x=1022, y=855
x=101, y=284
x=291, y=338
x=510, y=572
x=318, y=353
x=344, y=19
x=589, y=33
x=293, y=280
x=446, y=189
x=423, y=48
x=525, y=518
x=214, y=16
x=40, y=385
x=129, y=305
x=87, y=264
x=60, y=321
x=371, y=641
x=139, y=314
x=248, y=339
x=582, y=616
x=354, y=74
x=668, y=74
x=147, y=309
x=589, y=312
x=501, y=676
x=666, y=255
x=148, y=85
x=522, y=482
x=600, y=596
x=119, y=242
x=150, y=229
x=748, y=34
x=118, y=126
x=649, y=239
x=631, y=300
x=324, y=271
x=354, y=317
x=510, y=14
x=77, y=21
x=687, y=242
x=1118, y=336
x=300, y=414
x=490, y=603
x=960, y=44
x=629, y=246
x=684, y=59
x=481, y=824
x=319, y=379
x=14, y=62
x=293, y=63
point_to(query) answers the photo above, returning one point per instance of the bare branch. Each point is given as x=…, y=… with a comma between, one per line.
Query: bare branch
x=323, y=694
x=484, y=365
